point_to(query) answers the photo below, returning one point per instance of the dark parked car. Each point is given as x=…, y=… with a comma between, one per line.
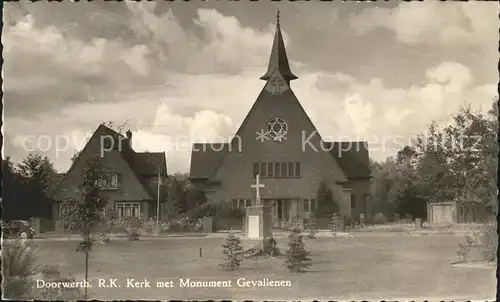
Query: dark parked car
x=18, y=229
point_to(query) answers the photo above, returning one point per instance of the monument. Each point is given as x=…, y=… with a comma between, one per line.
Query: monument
x=258, y=222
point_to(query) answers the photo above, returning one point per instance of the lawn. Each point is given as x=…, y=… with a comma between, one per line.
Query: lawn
x=370, y=268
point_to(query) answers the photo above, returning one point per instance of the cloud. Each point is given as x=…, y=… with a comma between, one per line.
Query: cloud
x=433, y=22
x=180, y=83
x=49, y=67
x=221, y=45
x=344, y=108
x=168, y=132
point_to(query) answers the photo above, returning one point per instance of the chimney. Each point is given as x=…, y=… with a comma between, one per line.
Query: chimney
x=129, y=138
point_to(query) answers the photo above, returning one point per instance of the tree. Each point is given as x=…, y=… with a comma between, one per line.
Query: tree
x=472, y=160
x=84, y=212
x=326, y=204
x=27, y=186
x=232, y=251
x=458, y=157
x=297, y=256
x=14, y=201
x=37, y=170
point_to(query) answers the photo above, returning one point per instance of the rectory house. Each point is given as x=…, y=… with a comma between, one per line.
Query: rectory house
x=278, y=141
x=131, y=178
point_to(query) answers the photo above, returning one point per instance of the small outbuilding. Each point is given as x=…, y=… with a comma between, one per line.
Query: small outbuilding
x=466, y=208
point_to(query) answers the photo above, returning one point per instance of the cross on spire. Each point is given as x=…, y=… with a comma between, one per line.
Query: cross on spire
x=278, y=60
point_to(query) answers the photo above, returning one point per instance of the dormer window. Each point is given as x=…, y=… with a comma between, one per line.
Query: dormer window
x=109, y=181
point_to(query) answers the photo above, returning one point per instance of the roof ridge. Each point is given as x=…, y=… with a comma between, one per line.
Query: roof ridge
x=103, y=129
x=245, y=121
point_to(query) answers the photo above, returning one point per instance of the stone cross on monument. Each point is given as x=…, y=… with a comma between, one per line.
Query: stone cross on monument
x=257, y=187
x=258, y=221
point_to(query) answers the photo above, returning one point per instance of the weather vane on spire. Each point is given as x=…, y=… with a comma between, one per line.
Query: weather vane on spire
x=278, y=16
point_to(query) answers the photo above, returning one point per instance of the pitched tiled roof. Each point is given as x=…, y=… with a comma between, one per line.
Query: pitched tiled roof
x=147, y=163
x=352, y=158
x=467, y=196
x=141, y=163
x=204, y=159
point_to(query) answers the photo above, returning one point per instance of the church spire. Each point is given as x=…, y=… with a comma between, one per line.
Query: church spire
x=279, y=60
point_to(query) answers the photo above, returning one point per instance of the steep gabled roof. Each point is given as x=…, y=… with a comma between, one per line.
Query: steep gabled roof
x=263, y=97
x=353, y=158
x=150, y=163
x=142, y=164
x=279, y=60
x=467, y=196
x=205, y=158
x=205, y=162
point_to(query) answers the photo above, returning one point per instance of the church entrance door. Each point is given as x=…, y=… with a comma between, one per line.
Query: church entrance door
x=283, y=212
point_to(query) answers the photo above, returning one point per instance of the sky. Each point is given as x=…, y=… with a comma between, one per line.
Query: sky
x=183, y=72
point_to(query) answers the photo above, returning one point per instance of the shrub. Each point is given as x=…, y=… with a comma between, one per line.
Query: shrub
x=18, y=266
x=184, y=224
x=174, y=226
x=407, y=219
x=117, y=225
x=133, y=225
x=51, y=273
x=379, y=218
x=274, y=250
x=327, y=203
x=225, y=215
x=292, y=224
x=232, y=251
x=104, y=228
x=59, y=294
x=228, y=224
x=297, y=256
x=148, y=226
x=226, y=210
x=486, y=240
x=204, y=210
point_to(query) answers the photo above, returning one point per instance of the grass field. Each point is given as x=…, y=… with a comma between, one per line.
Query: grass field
x=370, y=268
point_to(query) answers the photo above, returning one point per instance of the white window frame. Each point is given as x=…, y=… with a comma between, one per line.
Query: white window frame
x=107, y=183
x=124, y=206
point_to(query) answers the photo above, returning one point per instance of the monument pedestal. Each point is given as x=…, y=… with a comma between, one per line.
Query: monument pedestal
x=258, y=226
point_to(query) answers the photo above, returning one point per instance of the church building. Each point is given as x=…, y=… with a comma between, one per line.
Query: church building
x=278, y=141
